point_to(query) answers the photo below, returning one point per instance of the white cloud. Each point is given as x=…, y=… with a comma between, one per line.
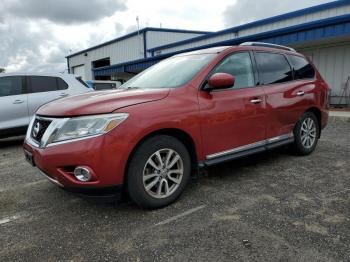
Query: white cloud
x=251, y=10
x=62, y=11
x=36, y=35
x=182, y=14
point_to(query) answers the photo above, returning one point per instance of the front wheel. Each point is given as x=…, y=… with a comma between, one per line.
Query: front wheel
x=306, y=134
x=158, y=172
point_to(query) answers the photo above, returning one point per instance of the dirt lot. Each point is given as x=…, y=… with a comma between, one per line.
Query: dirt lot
x=269, y=207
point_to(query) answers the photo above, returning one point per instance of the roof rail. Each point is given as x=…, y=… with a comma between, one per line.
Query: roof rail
x=268, y=45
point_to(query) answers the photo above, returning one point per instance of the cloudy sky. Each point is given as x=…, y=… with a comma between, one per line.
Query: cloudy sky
x=36, y=35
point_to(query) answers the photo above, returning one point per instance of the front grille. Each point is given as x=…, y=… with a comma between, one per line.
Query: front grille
x=39, y=128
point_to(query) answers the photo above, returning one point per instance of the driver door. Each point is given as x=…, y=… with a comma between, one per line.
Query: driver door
x=233, y=119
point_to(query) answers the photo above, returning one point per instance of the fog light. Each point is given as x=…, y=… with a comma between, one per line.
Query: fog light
x=82, y=174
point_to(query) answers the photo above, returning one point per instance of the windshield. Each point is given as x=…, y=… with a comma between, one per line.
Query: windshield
x=172, y=72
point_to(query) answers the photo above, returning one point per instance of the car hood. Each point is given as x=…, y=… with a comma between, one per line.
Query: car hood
x=100, y=102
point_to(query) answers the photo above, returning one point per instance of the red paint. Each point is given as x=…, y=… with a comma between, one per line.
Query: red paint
x=216, y=121
x=220, y=80
x=100, y=102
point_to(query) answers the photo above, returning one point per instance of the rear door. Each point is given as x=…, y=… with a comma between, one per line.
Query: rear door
x=282, y=101
x=13, y=103
x=43, y=89
x=233, y=120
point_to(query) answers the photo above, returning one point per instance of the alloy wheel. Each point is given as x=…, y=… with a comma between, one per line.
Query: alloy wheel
x=162, y=173
x=308, y=132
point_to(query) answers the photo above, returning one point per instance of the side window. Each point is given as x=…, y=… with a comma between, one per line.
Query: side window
x=62, y=85
x=81, y=81
x=42, y=84
x=10, y=85
x=302, y=68
x=240, y=66
x=273, y=68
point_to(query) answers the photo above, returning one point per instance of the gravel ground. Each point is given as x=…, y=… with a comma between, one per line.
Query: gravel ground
x=268, y=207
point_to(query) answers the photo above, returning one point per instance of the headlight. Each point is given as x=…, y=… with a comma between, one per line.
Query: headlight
x=79, y=127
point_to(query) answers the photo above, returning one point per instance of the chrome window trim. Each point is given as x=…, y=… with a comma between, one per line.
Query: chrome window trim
x=250, y=146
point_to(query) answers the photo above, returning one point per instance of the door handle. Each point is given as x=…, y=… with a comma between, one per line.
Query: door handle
x=18, y=101
x=256, y=100
x=300, y=93
x=63, y=94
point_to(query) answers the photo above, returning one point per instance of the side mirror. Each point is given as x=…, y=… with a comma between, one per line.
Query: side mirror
x=220, y=81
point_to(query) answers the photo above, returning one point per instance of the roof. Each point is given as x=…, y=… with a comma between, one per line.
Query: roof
x=310, y=31
x=210, y=50
x=265, y=21
x=141, y=31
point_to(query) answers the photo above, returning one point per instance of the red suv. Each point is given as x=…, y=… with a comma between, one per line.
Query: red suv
x=192, y=110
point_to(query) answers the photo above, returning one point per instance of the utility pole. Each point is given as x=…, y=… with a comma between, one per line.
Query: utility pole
x=139, y=36
x=138, y=25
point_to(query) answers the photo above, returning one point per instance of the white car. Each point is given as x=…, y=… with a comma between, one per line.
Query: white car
x=22, y=94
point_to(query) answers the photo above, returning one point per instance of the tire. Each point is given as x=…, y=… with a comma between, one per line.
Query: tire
x=306, y=134
x=153, y=184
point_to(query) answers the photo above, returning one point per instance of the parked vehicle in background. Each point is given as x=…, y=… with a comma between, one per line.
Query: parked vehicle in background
x=22, y=94
x=192, y=110
x=103, y=84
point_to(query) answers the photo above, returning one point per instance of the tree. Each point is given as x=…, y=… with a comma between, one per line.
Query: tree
x=2, y=70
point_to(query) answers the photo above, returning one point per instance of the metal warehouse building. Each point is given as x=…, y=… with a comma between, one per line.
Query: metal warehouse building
x=321, y=32
x=124, y=51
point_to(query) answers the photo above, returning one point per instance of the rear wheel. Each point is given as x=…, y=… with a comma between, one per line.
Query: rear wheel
x=158, y=172
x=306, y=134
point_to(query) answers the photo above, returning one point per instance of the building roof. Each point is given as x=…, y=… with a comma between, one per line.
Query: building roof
x=265, y=21
x=310, y=31
x=141, y=31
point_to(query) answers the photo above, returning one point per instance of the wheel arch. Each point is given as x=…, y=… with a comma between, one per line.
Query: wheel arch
x=179, y=134
x=317, y=112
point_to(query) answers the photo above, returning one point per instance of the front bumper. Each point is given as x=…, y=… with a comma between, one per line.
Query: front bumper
x=111, y=192
x=104, y=155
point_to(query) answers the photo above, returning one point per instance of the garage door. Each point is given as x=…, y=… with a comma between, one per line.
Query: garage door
x=79, y=71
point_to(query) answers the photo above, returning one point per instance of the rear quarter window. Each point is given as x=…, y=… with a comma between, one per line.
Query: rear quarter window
x=62, y=85
x=42, y=84
x=302, y=68
x=273, y=68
